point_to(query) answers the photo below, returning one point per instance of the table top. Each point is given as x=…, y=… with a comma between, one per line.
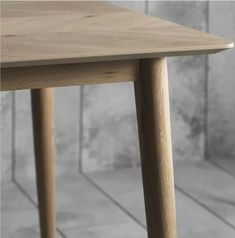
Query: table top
x=43, y=33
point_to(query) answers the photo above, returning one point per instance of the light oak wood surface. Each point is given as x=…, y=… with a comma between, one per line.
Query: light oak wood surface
x=153, y=113
x=51, y=44
x=42, y=33
x=44, y=147
x=68, y=74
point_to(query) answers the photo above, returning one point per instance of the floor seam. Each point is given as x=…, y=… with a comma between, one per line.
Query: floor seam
x=13, y=156
x=29, y=198
x=111, y=199
x=23, y=191
x=80, y=142
x=191, y=197
x=220, y=168
x=206, y=91
x=90, y=227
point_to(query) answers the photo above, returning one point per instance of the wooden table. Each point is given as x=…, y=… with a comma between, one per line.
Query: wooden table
x=52, y=44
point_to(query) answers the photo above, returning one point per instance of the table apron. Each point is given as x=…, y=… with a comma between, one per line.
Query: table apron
x=68, y=74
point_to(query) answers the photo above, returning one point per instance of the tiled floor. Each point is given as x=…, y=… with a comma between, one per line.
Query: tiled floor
x=110, y=204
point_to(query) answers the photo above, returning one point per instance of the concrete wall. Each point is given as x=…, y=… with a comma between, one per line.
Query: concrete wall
x=221, y=86
x=17, y=158
x=109, y=134
x=67, y=110
x=6, y=134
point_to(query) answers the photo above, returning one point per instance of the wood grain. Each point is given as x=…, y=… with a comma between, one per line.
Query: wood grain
x=68, y=75
x=42, y=33
x=43, y=132
x=152, y=101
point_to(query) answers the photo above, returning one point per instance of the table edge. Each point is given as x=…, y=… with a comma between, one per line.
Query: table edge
x=125, y=56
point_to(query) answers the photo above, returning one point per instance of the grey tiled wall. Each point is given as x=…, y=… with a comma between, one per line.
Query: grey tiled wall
x=221, y=90
x=110, y=132
x=187, y=77
x=6, y=135
x=109, y=135
x=109, y=127
x=16, y=136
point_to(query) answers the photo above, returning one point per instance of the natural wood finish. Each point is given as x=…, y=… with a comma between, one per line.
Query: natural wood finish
x=50, y=44
x=152, y=101
x=43, y=130
x=42, y=33
x=68, y=75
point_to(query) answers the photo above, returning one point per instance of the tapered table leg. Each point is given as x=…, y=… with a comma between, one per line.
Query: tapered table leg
x=152, y=101
x=43, y=121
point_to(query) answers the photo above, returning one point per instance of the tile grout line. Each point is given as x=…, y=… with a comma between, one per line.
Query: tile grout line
x=206, y=90
x=146, y=5
x=191, y=197
x=13, y=161
x=21, y=188
x=13, y=156
x=101, y=190
x=24, y=192
x=213, y=163
x=80, y=142
x=179, y=189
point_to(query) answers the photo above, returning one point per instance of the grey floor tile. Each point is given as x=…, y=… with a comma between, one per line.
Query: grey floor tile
x=193, y=221
x=79, y=204
x=19, y=216
x=6, y=99
x=228, y=165
x=127, y=230
x=210, y=186
x=84, y=211
x=125, y=186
